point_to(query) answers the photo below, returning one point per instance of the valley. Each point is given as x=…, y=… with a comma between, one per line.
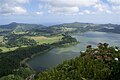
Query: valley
x=60, y=54
x=32, y=48
x=17, y=35
x=59, y=39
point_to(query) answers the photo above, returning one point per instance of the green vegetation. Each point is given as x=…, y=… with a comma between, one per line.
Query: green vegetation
x=13, y=34
x=14, y=62
x=5, y=49
x=11, y=77
x=38, y=30
x=13, y=41
x=66, y=41
x=84, y=27
x=17, y=40
x=46, y=40
x=10, y=62
x=19, y=32
x=1, y=39
x=100, y=63
x=20, y=42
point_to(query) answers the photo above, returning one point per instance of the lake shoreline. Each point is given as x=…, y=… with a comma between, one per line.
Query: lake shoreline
x=25, y=61
x=63, y=53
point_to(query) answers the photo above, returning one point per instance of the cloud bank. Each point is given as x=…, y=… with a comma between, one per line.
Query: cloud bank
x=12, y=7
x=71, y=7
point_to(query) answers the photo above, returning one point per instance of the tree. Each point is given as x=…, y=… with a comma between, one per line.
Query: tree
x=1, y=50
x=11, y=77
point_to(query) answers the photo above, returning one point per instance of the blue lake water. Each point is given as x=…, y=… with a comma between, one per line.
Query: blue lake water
x=58, y=55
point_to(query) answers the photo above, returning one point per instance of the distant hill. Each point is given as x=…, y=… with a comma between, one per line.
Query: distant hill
x=114, y=28
x=69, y=27
x=83, y=27
x=75, y=25
x=60, y=28
x=21, y=26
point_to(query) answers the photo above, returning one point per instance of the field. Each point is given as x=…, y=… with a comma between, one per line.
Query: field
x=4, y=49
x=43, y=39
x=19, y=32
x=1, y=38
x=38, y=39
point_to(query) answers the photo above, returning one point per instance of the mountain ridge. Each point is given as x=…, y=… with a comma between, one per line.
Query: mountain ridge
x=65, y=27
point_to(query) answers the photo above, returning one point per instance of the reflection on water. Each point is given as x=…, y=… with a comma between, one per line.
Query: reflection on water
x=57, y=55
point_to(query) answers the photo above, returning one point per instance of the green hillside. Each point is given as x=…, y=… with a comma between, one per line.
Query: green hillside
x=100, y=63
x=13, y=61
x=84, y=27
x=20, y=42
x=19, y=27
x=37, y=29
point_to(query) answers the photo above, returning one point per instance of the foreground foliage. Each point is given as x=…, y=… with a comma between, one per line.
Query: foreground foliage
x=100, y=63
x=11, y=77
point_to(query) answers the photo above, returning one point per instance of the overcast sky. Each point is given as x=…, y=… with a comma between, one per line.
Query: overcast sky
x=59, y=11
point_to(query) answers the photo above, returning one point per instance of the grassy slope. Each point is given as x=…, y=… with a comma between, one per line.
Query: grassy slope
x=5, y=49
x=38, y=39
x=1, y=38
x=43, y=39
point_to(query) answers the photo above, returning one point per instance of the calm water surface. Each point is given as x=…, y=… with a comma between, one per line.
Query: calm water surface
x=58, y=55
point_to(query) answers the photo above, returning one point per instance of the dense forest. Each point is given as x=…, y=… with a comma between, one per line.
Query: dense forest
x=18, y=40
x=100, y=63
x=13, y=62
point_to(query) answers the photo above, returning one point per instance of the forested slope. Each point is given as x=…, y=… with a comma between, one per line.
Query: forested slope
x=100, y=63
x=13, y=63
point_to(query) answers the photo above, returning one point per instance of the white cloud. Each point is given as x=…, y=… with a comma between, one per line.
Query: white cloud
x=12, y=10
x=87, y=11
x=71, y=2
x=116, y=9
x=114, y=2
x=21, y=1
x=64, y=10
x=61, y=6
x=80, y=13
x=12, y=7
x=40, y=13
x=100, y=7
x=115, y=6
x=13, y=2
x=68, y=6
x=19, y=10
x=76, y=6
x=108, y=11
